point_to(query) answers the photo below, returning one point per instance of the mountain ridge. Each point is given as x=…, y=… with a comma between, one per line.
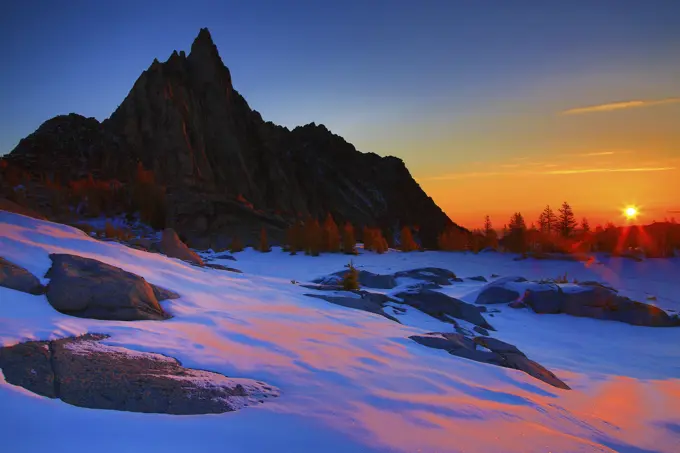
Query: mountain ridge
x=184, y=120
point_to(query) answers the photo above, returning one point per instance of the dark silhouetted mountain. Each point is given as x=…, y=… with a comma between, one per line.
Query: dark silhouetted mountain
x=184, y=120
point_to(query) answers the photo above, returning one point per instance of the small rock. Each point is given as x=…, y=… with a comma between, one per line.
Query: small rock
x=173, y=247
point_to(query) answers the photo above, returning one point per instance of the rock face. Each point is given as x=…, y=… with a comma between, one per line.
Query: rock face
x=18, y=278
x=83, y=372
x=184, y=120
x=499, y=353
x=172, y=246
x=88, y=288
x=600, y=303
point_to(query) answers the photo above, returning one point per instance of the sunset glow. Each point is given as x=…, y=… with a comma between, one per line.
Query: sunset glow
x=631, y=212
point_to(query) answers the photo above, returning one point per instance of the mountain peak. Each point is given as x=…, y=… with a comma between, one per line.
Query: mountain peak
x=203, y=40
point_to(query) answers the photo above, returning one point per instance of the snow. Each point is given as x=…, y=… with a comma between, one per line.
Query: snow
x=350, y=380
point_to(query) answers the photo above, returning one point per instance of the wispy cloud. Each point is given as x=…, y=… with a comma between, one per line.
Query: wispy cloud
x=569, y=171
x=607, y=170
x=619, y=106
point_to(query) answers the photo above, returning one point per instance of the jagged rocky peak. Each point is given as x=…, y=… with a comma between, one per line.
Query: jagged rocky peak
x=184, y=120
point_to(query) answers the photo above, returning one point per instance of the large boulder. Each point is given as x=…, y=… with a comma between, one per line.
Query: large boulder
x=443, y=307
x=88, y=288
x=495, y=352
x=172, y=246
x=18, y=278
x=83, y=372
x=495, y=294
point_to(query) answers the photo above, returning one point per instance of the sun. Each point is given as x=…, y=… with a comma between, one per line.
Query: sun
x=630, y=212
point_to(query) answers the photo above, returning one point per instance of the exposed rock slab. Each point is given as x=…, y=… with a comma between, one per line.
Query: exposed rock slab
x=499, y=353
x=441, y=306
x=435, y=275
x=83, y=372
x=369, y=302
x=88, y=288
x=19, y=279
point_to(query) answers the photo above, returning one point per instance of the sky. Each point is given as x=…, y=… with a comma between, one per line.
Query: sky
x=495, y=106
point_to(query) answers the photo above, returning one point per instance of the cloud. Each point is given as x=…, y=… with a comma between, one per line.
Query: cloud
x=619, y=106
x=607, y=170
x=572, y=171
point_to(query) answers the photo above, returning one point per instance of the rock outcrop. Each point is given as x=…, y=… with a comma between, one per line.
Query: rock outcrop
x=88, y=288
x=443, y=307
x=600, y=303
x=172, y=246
x=495, y=352
x=224, y=167
x=83, y=372
x=17, y=278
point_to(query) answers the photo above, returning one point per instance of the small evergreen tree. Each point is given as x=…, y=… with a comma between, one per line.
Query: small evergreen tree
x=585, y=226
x=350, y=281
x=348, y=240
x=567, y=221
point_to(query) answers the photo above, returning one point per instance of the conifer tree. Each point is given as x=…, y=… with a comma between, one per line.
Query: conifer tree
x=407, y=242
x=330, y=235
x=348, y=240
x=264, y=244
x=585, y=226
x=350, y=280
x=547, y=221
x=236, y=245
x=368, y=236
x=516, y=239
x=567, y=221
x=488, y=228
x=312, y=234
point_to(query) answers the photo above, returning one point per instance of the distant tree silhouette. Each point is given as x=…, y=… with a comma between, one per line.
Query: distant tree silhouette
x=295, y=237
x=374, y=240
x=236, y=245
x=330, y=236
x=567, y=221
x=312, y=235
x=348, y=239
x=585, y=225
x=453, y=239
x=516, y=239
x=407, y=243
x=547, y=221
x=264, y=243
x=488, y=228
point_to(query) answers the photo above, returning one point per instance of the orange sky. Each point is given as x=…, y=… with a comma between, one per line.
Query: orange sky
x=522, y=154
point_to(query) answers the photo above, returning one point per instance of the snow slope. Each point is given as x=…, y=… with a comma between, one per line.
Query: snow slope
x=350, y=380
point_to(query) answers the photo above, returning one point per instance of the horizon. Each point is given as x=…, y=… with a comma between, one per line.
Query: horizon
x=582, y=108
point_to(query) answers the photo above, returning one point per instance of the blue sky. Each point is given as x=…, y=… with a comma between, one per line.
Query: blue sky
x=439, y=83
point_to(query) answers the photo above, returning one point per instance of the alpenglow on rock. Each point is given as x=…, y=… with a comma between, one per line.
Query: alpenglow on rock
x=184, y=120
